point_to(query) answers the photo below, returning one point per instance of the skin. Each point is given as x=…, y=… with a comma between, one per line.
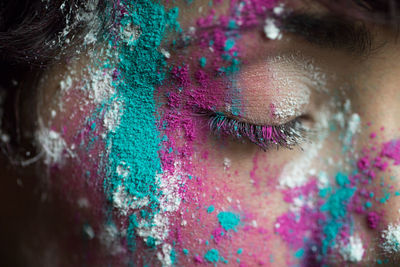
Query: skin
x=49, y=197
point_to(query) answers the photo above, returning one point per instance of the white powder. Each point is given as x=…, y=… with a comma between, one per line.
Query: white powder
x=165, y=53
x=165, y=256
x=52, y=144
x=5, y=138
x=323, y=180
x=297, y=172
x=391, y=239
x=66, y=83
x=88, y=230
x=353, y=127
x=293, y=103
x=83, y=202
x=293, y=77
x=130, y=33
x=271, y=30
x=157, y=227
x=100, y=88
x=278, y=10
x=111, y=239
x=227, y=163
x=353, y=251
x=125, y=203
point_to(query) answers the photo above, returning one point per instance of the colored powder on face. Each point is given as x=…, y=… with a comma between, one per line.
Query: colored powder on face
x=299, y=253
x=135, y=142
x=218, y=234
x=229, y=44
x=391, y=239
x=212, y=256
x=203, y=62
x=228, y=220
x=353, y=251
x=210, y=209
x=132, y=163
x=151, y=242
x=373, y=219
x=392, y=150
x=240, y=251
x=173, y=256
x=185, y=251
x=336, y=207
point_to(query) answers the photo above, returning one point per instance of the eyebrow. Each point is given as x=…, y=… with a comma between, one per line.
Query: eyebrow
x=325, y=31
x=330, y=32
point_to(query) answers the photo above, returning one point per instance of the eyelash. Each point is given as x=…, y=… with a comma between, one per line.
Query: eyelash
x=285, y=135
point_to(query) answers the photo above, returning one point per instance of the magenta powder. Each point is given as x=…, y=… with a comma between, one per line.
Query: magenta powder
x=391, y=150
x=373, y=219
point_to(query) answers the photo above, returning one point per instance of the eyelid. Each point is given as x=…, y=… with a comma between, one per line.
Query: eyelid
x=279, y=88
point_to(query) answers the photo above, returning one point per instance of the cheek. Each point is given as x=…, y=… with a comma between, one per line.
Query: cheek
x=71, y=135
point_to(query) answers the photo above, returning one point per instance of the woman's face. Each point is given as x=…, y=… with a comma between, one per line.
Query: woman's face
x=239, y=133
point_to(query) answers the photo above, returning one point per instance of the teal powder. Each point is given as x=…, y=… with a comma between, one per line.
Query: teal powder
x=229, y=44
x=203, y=62
x=232, y=24
x=212, y=255
x=185, y=251
x=336, y=207
x=228, y=220
x=210, y=209
x=135, y=143
x=240, y=251
x=299, y=253
x=151, y=242
x=130, y=235
x=173, y=256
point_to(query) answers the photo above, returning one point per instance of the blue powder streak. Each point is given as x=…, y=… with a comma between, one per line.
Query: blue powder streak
x=336, y=207
x=135, y=143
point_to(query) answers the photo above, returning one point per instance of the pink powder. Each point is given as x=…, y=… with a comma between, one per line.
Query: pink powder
x=198, y=259
x=373, y=219
x=294, y=228
x=363, y=163
x=379, y=164
x=305, y=191
x=391, y=150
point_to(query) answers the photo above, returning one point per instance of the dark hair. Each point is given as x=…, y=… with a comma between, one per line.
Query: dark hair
x=30, y=39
